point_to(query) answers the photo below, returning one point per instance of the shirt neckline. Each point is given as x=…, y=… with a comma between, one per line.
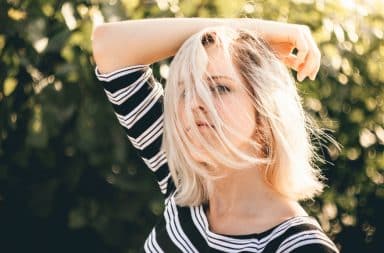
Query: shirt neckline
x=250, y=235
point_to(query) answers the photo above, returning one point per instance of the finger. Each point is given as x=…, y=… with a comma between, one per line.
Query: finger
x=290, y=61
x=300, y=77
x=301, y=45
x=314, y=57
x=281, y=49
x=309, y=65
x=314, y=74
x=312, y=60
x=317, y=67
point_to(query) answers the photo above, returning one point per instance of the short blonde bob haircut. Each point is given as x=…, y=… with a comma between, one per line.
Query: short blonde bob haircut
x=287, y=156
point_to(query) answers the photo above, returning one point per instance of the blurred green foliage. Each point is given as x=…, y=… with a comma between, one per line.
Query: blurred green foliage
x=69, y=179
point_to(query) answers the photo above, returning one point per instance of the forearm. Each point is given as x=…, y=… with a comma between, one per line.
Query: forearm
x=132, y=42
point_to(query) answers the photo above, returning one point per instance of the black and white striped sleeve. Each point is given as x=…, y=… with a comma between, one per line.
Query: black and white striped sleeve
x=137, y=99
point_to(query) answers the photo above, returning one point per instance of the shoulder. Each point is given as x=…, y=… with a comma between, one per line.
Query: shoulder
x=306, y=235
x=122, y=83
x=313, y=248
x=123, y=77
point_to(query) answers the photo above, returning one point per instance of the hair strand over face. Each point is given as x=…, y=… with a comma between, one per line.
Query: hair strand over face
x=283, y=135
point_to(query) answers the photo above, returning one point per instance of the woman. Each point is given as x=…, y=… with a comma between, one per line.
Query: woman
x=231, y=152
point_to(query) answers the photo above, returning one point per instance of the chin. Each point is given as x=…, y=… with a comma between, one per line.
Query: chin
x=201, y=157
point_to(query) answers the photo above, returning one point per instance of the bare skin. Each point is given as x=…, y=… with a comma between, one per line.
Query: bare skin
x=243, y=204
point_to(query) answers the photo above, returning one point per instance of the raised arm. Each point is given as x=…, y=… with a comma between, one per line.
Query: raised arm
x=133, y=42
x=123, y=51
x=143, y=41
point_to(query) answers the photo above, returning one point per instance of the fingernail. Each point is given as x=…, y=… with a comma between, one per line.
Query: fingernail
x=300, y=78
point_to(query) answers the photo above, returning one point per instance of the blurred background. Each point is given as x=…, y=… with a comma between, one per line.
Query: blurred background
x=69, y=179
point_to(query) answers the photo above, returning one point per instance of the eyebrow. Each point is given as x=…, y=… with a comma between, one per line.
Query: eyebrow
x=215, y=77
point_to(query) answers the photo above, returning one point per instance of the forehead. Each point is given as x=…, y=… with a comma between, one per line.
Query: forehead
x=218, y=62
x=220, y=66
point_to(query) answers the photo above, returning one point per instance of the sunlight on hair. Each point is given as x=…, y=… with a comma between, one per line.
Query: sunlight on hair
x=280, y=146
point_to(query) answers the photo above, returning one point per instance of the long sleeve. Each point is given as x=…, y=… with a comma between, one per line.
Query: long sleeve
x=137, y=99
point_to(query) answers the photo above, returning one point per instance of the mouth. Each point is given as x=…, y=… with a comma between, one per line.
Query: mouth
x=204, y=123
x=200, y=124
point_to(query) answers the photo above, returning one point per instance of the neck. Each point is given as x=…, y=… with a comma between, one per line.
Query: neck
x=243, y=193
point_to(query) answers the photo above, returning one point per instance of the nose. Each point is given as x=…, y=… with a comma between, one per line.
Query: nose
x=198, y=106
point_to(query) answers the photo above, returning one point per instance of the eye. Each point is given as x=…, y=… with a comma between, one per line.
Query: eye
x=221, y=88
x=183, y=94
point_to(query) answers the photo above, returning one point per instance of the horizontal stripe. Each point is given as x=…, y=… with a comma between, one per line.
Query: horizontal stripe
x=304, y=238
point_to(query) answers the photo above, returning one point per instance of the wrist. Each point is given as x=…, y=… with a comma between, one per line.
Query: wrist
x=252, y=24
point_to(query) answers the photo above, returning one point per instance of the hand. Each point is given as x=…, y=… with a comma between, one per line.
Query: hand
x=283, y=38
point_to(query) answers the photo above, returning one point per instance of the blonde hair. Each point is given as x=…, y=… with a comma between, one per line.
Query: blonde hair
x=286, y=155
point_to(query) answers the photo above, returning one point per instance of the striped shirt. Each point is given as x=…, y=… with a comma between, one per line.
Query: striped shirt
x=136, y=97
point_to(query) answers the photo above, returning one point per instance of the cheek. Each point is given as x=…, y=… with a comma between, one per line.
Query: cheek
x=239, y=116
x=181, y=114
x=237, y=112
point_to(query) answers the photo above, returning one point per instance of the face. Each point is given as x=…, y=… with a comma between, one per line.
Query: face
x=232, y=102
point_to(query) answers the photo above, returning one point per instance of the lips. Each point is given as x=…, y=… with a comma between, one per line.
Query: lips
x=202, y=123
